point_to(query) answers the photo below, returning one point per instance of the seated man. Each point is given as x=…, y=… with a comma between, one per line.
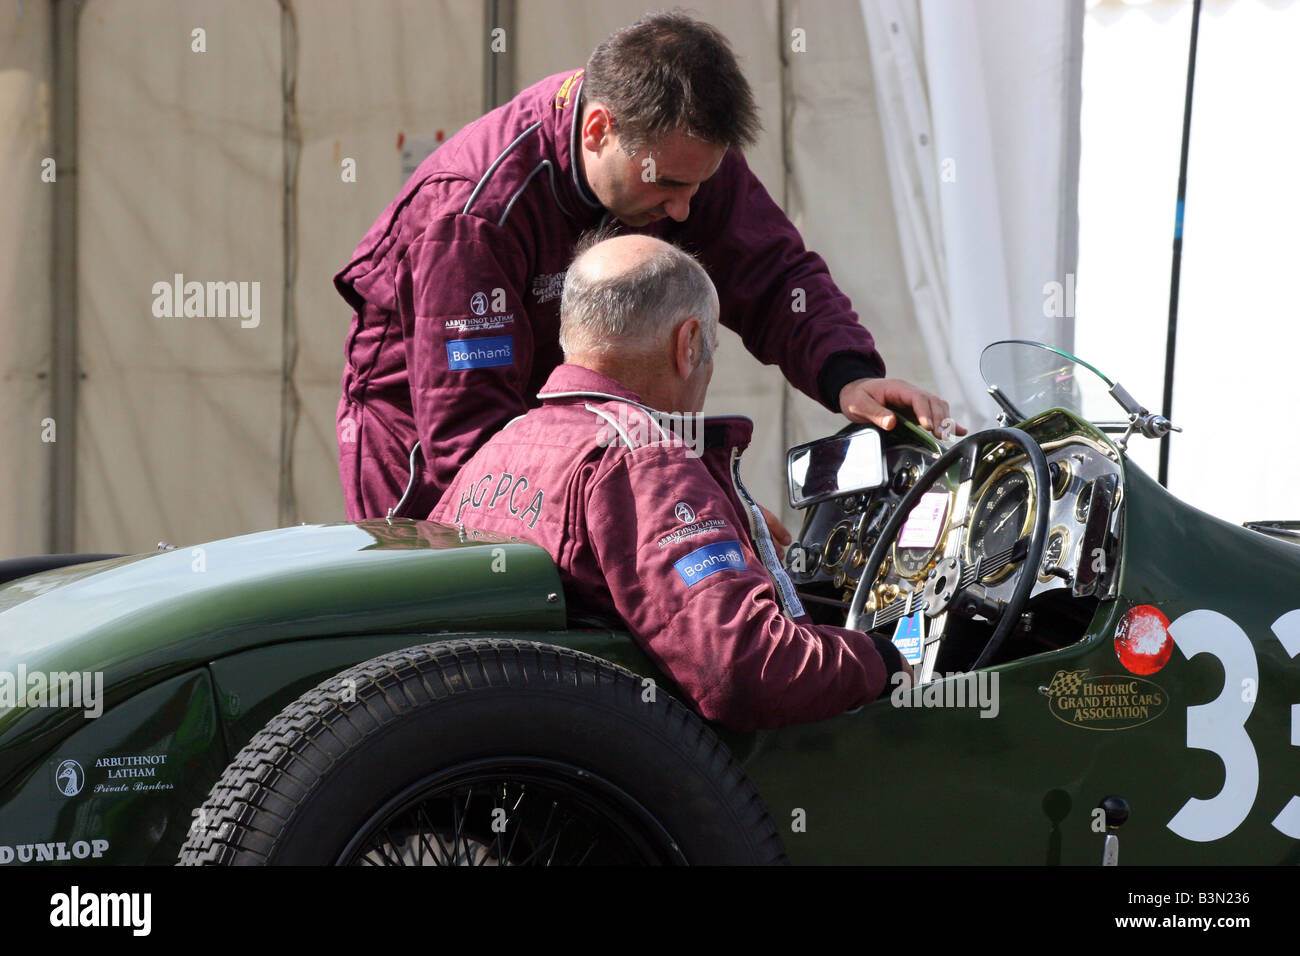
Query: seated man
x=645, y=527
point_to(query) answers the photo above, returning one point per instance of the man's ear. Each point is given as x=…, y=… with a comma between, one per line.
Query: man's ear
x=596, y=128
x=687, y=344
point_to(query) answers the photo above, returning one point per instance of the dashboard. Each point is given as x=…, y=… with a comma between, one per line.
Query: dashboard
x=984, y=524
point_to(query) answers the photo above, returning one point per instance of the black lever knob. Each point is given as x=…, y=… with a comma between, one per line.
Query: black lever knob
x=1116, y=810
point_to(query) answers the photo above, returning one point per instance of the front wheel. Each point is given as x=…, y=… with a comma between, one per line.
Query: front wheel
x=484, y=752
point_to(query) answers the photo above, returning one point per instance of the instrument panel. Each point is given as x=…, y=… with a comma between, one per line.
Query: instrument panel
x=838, y=535
x=1081, y=474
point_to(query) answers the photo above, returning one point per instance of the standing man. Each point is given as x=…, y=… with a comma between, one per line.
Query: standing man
x=456, y=286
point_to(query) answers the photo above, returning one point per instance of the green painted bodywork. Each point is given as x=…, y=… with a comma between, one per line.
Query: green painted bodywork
x=141, y=619
x=196, y=661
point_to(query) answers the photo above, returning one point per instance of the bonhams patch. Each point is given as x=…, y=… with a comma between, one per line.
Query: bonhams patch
x=1107, y=702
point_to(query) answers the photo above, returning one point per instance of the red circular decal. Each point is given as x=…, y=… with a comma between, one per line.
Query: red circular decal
x=1143, y=643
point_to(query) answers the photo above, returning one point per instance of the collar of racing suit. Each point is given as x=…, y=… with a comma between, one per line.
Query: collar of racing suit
x=570, y=384
x=563, y=131
x=724, y=438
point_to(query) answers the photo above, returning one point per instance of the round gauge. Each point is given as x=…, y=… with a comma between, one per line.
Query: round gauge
x=837, y=543
x=1082, y=502
x=1001, y=517
x=914, y=562
x=1054, y=552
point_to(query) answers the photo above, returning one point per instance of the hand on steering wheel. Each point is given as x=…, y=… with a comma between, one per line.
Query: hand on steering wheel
x=952, y=585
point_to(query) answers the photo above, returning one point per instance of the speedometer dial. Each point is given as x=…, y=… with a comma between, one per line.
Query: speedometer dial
x=1001, y=516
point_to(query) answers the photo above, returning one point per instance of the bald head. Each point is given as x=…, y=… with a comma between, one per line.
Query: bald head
x=625, y=294
x=610, y=258
x=626, y=302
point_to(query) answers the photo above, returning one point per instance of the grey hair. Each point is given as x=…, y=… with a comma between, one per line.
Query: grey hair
x=635, y=311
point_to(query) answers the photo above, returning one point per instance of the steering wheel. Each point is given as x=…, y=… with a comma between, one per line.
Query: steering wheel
x=952, y=583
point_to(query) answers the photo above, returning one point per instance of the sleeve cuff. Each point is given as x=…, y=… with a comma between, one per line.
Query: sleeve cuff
x=892, y=658
x=842, y=368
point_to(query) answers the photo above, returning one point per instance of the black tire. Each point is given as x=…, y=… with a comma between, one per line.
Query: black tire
x=372, y=766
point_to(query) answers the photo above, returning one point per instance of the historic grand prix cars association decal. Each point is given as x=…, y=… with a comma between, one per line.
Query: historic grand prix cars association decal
x=1104, y=702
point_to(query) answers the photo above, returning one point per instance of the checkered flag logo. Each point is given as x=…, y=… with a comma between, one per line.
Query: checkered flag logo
x=1065, y=682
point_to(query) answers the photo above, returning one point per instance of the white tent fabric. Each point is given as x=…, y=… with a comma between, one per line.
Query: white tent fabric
x=980, y=108
x=1238, y=322
x=227, y=164
x=179, y=160
x=190, y=428
x=838, y=194
x=25, y=256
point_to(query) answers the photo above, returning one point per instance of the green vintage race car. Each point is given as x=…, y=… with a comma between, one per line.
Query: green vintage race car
x=1098, y=665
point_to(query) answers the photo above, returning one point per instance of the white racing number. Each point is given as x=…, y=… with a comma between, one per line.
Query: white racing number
x=1220, y=725
x=1287, y=629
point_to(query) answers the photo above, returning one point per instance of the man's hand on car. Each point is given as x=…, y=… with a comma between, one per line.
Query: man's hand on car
x=866, y=400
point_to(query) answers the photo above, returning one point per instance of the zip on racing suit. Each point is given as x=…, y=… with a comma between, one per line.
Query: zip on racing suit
x=647, y=526
x=456, y=292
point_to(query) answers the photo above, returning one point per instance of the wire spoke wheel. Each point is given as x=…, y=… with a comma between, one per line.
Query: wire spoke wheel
x=512, y=812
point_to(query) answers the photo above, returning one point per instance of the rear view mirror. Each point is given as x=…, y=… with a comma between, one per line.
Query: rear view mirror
x=838, y=465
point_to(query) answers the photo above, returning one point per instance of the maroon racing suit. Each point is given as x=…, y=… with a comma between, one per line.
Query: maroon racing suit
x=652, y=527
x=456, y=291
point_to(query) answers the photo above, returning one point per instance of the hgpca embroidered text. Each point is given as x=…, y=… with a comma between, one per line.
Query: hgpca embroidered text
x=75, y=908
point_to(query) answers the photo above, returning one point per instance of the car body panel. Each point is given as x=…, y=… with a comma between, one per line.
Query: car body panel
x=195, y=722
x=944, y=785
x=141, y=619
x=254, y=686
x=137, y=770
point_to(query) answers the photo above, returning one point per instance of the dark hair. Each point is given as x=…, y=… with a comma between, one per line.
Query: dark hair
x=669, y=71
